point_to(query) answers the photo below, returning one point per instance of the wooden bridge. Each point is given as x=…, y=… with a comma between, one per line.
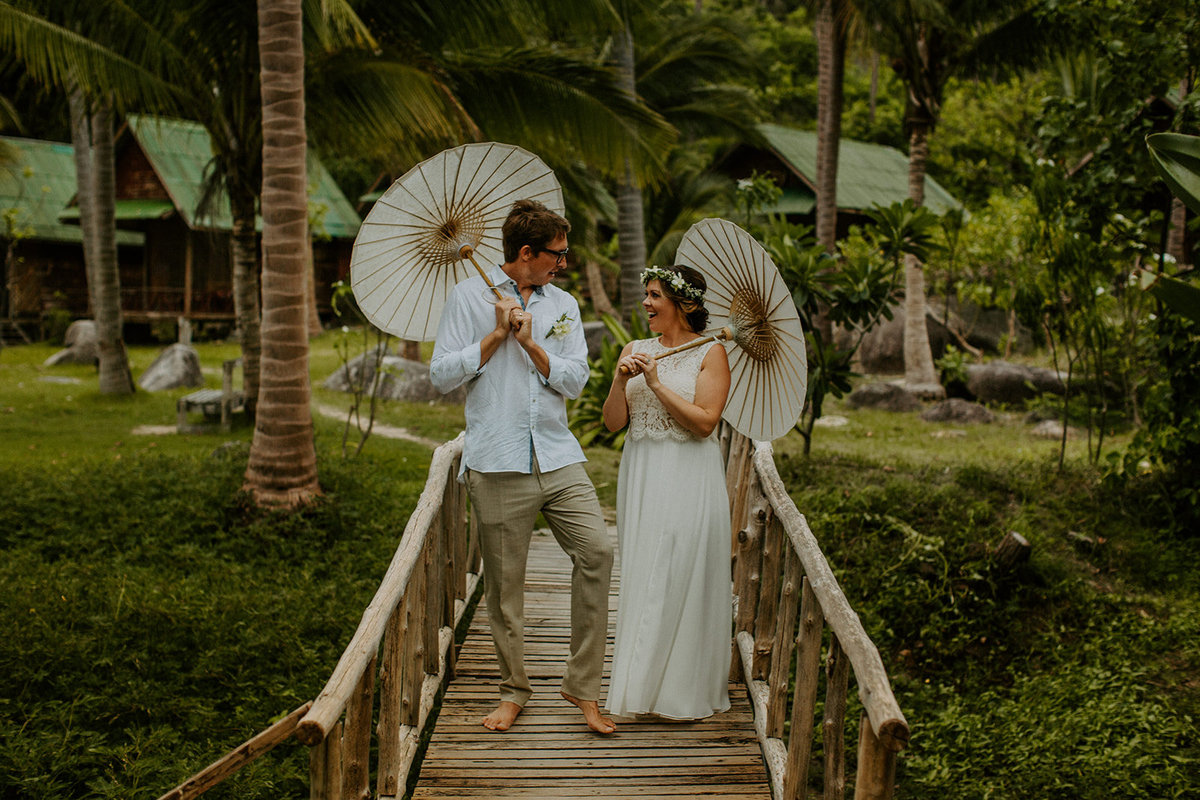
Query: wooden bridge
x=790, y=614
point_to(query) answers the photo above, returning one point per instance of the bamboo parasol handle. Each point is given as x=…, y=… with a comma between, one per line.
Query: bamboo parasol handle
x=723, y=335
x=466, y=251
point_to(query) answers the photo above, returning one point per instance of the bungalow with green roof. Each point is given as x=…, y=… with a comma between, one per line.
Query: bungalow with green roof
x=41, y=258
x=868, y=175
x=187, y=270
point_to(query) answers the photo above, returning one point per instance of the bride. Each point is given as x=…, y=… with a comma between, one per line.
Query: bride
x=674, y=618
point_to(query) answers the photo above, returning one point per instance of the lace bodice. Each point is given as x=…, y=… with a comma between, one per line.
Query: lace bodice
x=648, y=418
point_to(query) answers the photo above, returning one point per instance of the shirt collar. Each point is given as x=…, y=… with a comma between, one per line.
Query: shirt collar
x=500, y=278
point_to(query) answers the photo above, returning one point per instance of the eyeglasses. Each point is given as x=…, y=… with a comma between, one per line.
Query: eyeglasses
x=559, y=255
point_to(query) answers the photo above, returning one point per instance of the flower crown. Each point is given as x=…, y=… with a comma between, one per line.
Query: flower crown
x=676, y=281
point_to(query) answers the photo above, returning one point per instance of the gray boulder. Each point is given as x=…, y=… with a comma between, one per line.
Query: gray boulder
x=886, y=396
x=402, y=380
x=1051, y=429
x=81, y=345
x=176, y=366
x=882, y=348
x=984, y=328
x=957, y=410
x=1003, y=382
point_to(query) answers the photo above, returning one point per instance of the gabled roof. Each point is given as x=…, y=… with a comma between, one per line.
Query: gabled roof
x=37, y=186
x=868, y=174
x=180, y=151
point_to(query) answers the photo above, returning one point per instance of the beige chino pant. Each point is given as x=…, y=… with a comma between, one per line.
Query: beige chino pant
x=506, y=505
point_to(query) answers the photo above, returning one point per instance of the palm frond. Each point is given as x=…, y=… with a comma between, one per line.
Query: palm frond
x=571, y=108
x=54, y=55
x=383, y=107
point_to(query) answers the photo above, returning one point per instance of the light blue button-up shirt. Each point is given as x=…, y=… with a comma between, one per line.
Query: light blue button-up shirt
x=512, y=412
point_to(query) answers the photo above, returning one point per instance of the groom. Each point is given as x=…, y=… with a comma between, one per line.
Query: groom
x=521, y=357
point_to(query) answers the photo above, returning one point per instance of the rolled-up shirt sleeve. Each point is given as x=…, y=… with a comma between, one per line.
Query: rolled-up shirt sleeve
x=455, y=356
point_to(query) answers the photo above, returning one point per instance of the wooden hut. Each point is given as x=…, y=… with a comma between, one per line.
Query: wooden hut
x=187, y=269
x=868, y=174
x=41, y=258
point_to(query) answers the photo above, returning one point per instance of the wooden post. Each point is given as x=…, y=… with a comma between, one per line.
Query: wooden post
x=739, y=481
x=749, y=567
x=325, y=766
x=387, y=782
x=1013, y=549
x=785, y=643
x=189, y=258
x=804, y=700
x=432, y=612
x=876, y=765
x=833, y=728
x=356, y=738
x=414, y=643
x=768, y=603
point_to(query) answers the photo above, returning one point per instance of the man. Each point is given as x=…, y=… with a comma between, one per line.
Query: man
x=521, y=357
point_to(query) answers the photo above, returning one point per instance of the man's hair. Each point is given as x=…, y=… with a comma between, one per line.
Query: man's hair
x=531, y=223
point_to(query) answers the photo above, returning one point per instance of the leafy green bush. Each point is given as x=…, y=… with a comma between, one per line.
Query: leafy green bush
x=1068, y=677
x=154, y=620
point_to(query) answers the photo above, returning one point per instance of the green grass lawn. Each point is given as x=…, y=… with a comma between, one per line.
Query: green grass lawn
x=153, y=619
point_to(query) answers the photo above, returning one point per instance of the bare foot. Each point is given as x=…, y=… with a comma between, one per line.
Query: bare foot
x=591, y=714
x=503, y=717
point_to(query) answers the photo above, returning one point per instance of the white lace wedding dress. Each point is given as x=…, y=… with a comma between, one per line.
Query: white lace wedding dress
x=674, y=617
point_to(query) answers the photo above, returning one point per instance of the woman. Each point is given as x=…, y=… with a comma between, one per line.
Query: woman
x=671, y=656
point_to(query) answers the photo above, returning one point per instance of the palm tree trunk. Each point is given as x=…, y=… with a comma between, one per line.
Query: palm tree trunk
x=115, y=377
x=245, y=289
x=631, y=225
x=283, y=467
x=920, y=376
x=831, y=63
x=81, y=143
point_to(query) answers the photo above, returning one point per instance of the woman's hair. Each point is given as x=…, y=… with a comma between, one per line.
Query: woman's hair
x=685, y=287
x=531, y=223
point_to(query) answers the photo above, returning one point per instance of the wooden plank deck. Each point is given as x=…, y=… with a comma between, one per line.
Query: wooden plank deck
x=549, y=753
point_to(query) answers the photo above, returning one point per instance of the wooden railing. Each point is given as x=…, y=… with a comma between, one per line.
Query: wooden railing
x=405, y=636
x=785, y=596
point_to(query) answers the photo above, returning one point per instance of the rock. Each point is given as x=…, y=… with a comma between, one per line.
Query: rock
x=882, y=348
x=402, y=380
x=983, y=328
x=886, y=396
x=1049, y=429
x=926, y=391
x=1002, y=382
x=956, y=410
x=81, y=346
x=178, y=365
x=830, y=421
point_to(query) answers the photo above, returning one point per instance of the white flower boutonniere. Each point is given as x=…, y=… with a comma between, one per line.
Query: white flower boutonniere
x=560, y=328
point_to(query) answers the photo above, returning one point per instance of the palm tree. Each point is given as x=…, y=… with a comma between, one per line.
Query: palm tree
x=679, y=63
x=282, y=469
x=631, y=230
x=929, y=43
x=832, y=18
x=96, y=72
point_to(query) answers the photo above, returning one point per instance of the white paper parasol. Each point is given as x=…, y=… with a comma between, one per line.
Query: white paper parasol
x=751, y=306
x=422, y=235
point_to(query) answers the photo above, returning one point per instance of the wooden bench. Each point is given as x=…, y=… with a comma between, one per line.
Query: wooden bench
x=215, y=404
